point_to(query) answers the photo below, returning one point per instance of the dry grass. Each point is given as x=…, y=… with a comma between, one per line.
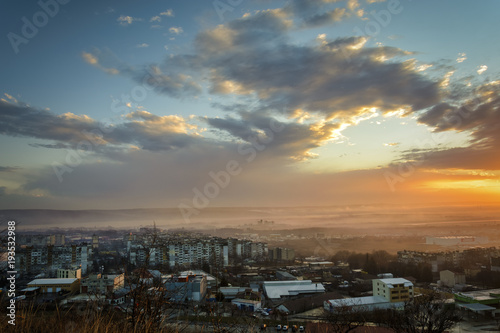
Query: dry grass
x=40, y=319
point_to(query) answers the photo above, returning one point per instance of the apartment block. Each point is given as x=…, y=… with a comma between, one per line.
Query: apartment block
x=102, y=284
x=393, y=290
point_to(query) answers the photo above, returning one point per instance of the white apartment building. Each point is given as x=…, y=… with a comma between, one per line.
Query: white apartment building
x=393, y=290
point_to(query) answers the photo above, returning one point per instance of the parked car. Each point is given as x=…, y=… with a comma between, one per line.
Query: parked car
x=301, y=328
x=285, y=328
x=278, y=328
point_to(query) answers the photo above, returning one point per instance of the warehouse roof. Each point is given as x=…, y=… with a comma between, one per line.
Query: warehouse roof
x=52, y=281
x=278, y=289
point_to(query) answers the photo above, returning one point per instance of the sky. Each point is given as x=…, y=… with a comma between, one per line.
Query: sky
x=193, y=104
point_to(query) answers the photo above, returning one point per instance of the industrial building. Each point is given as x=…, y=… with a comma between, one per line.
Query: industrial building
x=189, y=287
x=484, y=302
x=276, y=290
x=55, y=285
x=387, y=293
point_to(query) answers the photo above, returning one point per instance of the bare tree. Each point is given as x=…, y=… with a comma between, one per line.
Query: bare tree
x=428, y=313
x=345, y=317
x=151, y=308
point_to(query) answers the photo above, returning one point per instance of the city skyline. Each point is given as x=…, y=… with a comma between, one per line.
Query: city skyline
x=127, y=104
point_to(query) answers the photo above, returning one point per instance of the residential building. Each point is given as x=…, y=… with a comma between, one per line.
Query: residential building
x=393, y=290
x=281, y=254
x=95, y=241
x=450, y=278
x=387, y=293
x=102, y=284
x=71, y=273
x=38, y=258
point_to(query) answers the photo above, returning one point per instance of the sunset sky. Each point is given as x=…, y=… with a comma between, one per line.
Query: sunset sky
x=116, y=104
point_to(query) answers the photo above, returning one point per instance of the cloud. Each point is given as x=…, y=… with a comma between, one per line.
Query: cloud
x=142, y=129
x=143, y=45
x=339, y=81
x=89, y=58
x=339, y=78
x=155, y=19
x=168, y=13
x=93, y=60
x=314, y=13
x=461, y=57
x=176, y=30
x=336, y=15
x=482, y=69
x=8, y=169
x=169, y=83
x=292, y=141
x=478, y=114
x=127, y=20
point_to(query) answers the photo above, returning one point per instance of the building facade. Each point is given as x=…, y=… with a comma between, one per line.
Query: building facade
x=102, y=284
x=393, y=290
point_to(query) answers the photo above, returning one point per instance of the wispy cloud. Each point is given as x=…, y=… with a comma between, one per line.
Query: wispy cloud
x=482, y=69
x=461, y=57
x=176, y=30
x=127, y=20
x=168, y=13
x=8, y=169
x=155, y=19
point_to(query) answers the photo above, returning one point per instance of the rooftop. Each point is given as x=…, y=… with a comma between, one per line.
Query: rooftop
x=481, y=295
x=52, y=281
x=278, y=289
x=358, y=301
x=391, y=282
